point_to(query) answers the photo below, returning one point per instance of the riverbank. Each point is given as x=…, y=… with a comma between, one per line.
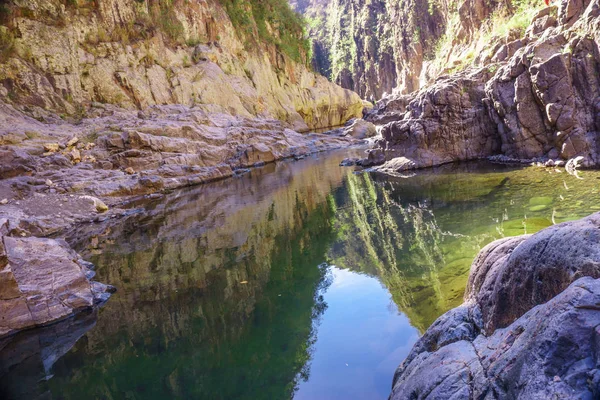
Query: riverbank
x=59, y=174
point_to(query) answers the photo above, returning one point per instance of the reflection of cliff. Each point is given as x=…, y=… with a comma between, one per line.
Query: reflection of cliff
x=419, y=235
x=399, y=244
x=26, y=359
x=222, y=302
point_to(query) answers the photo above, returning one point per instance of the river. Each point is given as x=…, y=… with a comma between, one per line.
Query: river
x=299, y=279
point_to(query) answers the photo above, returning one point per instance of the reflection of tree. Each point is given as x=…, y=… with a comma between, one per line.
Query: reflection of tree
x=419, y=235
x=388, y=229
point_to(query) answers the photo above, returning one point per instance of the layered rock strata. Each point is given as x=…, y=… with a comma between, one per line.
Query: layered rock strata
x=43, y=281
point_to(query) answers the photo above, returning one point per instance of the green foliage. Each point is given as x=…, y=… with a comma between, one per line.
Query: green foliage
x=516, y=19
x=275, y=23
x=7, y=44
x=163, y=13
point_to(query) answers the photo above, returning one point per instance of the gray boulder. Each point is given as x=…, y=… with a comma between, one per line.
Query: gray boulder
x=43, y=281
x=551, y=352
x=529, y=327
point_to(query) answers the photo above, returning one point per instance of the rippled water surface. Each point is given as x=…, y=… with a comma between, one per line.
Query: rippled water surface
x=301, y=279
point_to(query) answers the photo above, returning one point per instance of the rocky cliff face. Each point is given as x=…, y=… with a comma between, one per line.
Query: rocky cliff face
x=376, y=47
x=536, y=98
x=528, y=327
x=61, y=56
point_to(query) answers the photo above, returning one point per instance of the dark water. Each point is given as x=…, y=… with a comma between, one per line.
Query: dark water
x=301, y=279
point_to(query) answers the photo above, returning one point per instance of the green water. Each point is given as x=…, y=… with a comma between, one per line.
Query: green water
x=301, y=279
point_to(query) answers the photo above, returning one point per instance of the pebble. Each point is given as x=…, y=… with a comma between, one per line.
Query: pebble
x=4, y=201
x=49, y=182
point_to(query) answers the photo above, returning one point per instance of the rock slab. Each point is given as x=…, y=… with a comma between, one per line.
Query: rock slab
x=43, y=281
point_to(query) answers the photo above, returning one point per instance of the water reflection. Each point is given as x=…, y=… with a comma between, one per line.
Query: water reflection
x=224, y=294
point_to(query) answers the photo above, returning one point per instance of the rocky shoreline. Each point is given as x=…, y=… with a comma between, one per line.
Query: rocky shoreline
x=57, y=176
x=529, y=326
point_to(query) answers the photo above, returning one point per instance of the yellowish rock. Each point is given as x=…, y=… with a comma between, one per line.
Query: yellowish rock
x=75, y=155
x=73, y=141
x=51, y=147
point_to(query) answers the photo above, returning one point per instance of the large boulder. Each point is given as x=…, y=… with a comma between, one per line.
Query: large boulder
x=43, y=281
x=446, y=122
x=529, y=327
x=551, y=352
x=511, y=276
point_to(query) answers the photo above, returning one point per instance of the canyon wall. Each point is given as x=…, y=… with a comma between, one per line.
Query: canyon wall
x=536, y=99
x=377, y=47
x=64, y=55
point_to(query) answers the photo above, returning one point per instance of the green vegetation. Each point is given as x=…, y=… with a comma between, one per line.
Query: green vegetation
x=270, y=21
x=257, y=21
x=7, y=43
x=451, y=54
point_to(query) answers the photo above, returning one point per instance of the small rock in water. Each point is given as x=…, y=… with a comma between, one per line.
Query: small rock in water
x=241, y=171
x=49, y=182
x=4, y=201
x=348, y=162
x=129, y=171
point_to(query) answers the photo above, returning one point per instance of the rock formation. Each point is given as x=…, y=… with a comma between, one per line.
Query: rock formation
x=537, y=98
x=43, y=281
x=136, y=54
x=528, y=327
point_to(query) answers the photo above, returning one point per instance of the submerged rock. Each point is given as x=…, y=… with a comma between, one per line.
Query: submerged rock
x=528, y=327
x=43, y=281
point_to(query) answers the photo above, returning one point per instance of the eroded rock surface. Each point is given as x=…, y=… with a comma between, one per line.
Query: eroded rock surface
x=131, y=54
x=529, y=327
x=447, y=122
x=43, y=281
x=536, y=99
